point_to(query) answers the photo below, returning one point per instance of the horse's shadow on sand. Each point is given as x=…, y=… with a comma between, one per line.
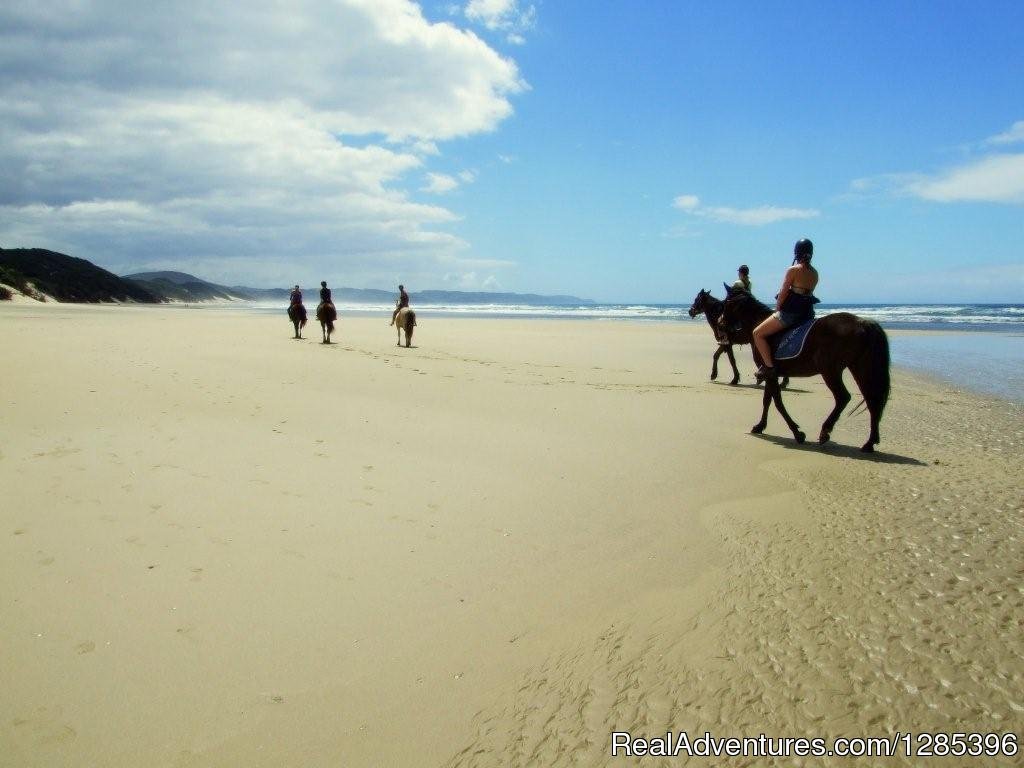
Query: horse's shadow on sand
x=837, y=449
x=758, y=387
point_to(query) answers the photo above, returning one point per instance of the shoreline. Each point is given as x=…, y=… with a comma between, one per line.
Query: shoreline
x=949, y=372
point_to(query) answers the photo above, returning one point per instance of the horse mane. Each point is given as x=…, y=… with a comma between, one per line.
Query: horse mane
x=735, y=296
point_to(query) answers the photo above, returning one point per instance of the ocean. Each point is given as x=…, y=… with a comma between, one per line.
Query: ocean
x=976, y=346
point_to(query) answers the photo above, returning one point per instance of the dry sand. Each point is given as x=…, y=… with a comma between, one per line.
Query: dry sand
x=223, y=547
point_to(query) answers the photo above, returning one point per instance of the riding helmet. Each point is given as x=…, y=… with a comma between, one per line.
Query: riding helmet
x=803, y=248
x=744, y=269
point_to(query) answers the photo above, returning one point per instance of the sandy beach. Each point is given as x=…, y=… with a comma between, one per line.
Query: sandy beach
x=223, y=547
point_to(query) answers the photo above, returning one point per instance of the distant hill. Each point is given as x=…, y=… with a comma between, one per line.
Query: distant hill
x=181, y=286
x=483, y=297
x=35, y=271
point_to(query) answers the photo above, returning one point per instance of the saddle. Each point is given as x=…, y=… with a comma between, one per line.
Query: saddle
x=789, y=343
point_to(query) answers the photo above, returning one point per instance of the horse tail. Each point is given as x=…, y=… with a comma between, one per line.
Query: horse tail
x=872, y=369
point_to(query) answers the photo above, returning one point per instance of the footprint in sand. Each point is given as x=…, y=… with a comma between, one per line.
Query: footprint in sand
x=57, y=453
x=87, y=647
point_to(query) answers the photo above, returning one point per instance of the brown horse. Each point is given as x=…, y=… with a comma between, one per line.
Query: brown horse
x=711, y=308
x=326, y=314
x=406, y=321
x=297, y=314
x=834, y=343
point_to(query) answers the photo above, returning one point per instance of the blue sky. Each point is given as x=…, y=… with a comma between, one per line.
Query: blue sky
x=617, y=151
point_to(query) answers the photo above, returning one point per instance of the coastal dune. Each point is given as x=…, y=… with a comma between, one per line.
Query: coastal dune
x=222, y=546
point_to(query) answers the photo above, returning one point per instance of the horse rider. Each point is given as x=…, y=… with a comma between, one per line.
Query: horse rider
x=794, y=303
x=325, y=293
x=403, y=301
x=296, y=297
x=742, y=284
x=743, y=280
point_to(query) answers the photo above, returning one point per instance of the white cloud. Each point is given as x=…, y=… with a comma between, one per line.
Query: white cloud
x=272, y=135
x=505, y=16
x=439, y=183
x=1013, y=136
x=747, y=217
x=991, y=178
x=996, y=179
x=472, y=281
x=467, y=177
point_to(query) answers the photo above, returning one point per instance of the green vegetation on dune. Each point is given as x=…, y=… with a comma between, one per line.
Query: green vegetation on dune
x=66, y=278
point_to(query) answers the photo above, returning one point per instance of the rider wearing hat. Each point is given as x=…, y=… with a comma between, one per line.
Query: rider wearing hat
x=403, y=301
x=743, y=281
x=794, y=304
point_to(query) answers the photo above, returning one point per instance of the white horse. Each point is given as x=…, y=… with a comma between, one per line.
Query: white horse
x=406, y=321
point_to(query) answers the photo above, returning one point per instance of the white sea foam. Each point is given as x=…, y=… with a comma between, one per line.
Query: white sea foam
x=965, y=316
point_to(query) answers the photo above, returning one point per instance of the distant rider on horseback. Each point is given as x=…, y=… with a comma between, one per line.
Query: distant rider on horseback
x=794, y=304
x=403, y=301
x=743, y=280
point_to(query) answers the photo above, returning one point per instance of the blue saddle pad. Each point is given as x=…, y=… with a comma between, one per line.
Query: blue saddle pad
x=789, y=343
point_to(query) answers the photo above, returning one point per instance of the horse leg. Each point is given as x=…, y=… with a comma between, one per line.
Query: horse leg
x=834, y=381
x=732, y=362
x=860, y=377
x=772, y=383
x=784, y=383
x=758, y=362
x=714, y=362
x=766, y=401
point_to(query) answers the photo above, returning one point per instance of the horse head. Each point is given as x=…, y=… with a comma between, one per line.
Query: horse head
x=698, y=303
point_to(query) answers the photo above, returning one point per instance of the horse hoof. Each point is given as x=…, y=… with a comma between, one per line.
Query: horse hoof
x=824, y=437
x=868, y=447
x=757, y=429
x=735, y=381
x=800, y=436
x=714, y=376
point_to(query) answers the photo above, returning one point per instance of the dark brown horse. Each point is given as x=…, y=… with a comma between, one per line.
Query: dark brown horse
x=326, y=314
x=711, y=308
x=405, y=321
x=297, y=314
x=834, y=343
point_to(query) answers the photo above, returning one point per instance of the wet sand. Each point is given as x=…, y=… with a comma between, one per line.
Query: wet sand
x=220, y=546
